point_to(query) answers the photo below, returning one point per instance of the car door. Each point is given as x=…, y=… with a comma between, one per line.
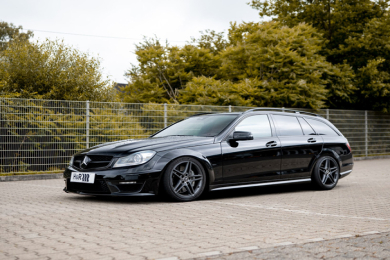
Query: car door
x=252, y=160
x=300, y=146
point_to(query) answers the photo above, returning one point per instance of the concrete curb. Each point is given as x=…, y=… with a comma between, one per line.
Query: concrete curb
x=31, y=177
x=371, y=157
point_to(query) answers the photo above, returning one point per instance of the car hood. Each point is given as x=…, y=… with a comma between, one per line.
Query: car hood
x=156, y=144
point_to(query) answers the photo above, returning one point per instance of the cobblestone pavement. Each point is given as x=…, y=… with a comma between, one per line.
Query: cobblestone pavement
x=361, y=247
x=39, y=221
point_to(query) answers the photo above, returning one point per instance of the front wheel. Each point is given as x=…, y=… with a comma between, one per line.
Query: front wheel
x=326, y=173
x=184, y=179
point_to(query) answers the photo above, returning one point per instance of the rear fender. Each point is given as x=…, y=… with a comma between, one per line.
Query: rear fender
x=329, y=152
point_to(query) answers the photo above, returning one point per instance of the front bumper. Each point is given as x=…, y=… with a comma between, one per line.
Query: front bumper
x=118, y=182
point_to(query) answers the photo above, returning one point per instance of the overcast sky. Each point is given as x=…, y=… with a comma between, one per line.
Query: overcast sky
x=172, y=20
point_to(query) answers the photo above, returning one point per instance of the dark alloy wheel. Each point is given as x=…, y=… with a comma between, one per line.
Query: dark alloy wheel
x=184, y=179
x=326, y=173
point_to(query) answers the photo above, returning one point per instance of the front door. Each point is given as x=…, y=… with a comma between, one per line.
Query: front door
x=252, y=160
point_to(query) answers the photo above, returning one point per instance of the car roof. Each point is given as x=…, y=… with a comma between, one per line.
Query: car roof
x=289, y=113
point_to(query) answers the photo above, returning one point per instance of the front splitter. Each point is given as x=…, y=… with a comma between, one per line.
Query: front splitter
x=114, y=194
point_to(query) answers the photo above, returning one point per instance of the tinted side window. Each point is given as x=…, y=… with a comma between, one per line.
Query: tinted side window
x=287, y=125
x=321, y=128
x=258, y=125
x=307, y=130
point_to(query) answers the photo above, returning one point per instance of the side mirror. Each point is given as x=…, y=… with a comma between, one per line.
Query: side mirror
x=242, y=136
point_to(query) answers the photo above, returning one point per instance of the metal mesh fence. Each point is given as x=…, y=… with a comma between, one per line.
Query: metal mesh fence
x=41, y=135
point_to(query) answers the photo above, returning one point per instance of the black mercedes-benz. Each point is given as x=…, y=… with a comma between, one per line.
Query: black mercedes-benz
x=214, y=152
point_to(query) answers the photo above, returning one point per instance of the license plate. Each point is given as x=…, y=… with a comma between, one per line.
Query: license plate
x=83, y=177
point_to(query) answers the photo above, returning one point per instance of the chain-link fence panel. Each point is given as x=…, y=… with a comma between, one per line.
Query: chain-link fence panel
x=41, y=135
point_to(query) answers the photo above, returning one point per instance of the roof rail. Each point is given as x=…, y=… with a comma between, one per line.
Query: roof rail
x=281, y=110
x=205, y=113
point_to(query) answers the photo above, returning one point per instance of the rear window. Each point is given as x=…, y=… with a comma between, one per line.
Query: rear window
x=321, y=128
x=287, y=125
x=307, y=130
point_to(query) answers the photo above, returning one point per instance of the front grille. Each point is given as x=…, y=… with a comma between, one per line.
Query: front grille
x=99, y=187
x=97, y=161
x=100, y=157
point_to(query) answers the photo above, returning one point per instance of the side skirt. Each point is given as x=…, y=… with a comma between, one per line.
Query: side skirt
x=261, y=184
x=344, y=174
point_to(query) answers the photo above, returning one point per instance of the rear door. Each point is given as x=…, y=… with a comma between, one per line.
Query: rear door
x=300, y=146
x=333, y=141
x=252, y=160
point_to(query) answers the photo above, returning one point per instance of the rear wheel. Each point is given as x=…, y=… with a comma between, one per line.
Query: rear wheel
x=184, y=179
x=326, y=173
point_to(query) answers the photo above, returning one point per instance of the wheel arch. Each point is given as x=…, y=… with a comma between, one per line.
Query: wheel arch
x=169, y=156
x=326, y=152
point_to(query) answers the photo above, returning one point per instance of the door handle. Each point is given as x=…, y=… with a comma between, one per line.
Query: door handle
x=271, y=144
x=311, y=140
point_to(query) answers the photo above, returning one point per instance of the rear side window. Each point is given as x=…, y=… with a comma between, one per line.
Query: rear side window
x=287, y=125
x=321, y=128
x=258, y=125
x=307, y=130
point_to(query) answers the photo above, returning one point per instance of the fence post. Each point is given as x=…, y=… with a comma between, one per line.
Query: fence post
x=327, y=113
x=366, y=130
x=165, y=115
x=282, y=109
x=230, y=108
x=87, y=125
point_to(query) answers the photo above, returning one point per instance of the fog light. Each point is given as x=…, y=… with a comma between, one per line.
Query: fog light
x=128, y=182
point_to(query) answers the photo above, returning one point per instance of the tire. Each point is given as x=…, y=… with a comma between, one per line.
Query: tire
x=184, y=179
x=326, y=173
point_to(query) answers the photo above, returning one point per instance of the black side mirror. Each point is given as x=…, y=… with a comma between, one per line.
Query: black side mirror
x=242, y=136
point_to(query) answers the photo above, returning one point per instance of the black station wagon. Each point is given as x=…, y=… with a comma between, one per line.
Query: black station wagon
x=209, y=152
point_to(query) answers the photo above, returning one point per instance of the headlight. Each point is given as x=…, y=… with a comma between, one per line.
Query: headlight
x=135, y=159
x=71, y=161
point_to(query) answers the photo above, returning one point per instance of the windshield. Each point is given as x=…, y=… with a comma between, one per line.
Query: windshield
x=205, y=125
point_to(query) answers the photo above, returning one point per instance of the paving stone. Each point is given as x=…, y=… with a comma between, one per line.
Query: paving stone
x=27, y=256
x=39, y=220
x=342, y=248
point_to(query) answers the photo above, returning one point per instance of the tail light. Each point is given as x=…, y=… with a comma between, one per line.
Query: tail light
x=349, y=147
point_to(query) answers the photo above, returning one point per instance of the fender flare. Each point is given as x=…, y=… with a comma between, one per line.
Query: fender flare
x=167, y=157
x=327, y=151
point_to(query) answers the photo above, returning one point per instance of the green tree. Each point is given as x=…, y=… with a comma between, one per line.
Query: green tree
x=358, y=36
x=369, y=54
x=208, y=91
x=9, y=31
x=275, y=64
x=167, y=69
x=287, y=63
x=270, y=64
x=211, y=40
x=259, y=64
x=143, y=91
x=374, y=83
x=336, y=19
x=51, y=70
